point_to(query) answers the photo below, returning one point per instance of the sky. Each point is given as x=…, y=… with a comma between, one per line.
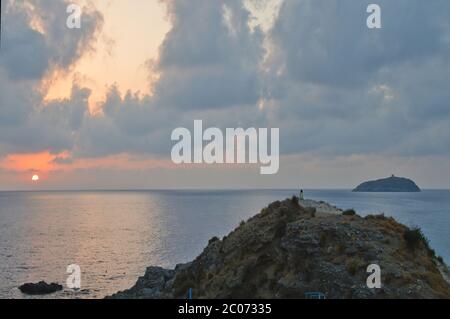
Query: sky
x=94, y=108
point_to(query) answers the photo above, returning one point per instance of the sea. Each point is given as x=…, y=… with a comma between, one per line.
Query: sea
x=114, y=235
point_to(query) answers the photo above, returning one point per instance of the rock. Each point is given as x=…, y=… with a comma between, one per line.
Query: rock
x=150, y=286
x=351, y=251
x=311, y=211
x=319, y=207
x=283, y=253
x=41, y=288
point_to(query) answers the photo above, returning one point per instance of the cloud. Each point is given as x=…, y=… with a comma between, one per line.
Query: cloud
x=332, y=86
x=209, y=66
x=35, y=38
x=36, y=42
x=328, y=42
x=211, y=56
x=342, y=88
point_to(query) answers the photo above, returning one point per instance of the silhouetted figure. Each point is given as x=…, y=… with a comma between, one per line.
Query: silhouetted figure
x=302, y=197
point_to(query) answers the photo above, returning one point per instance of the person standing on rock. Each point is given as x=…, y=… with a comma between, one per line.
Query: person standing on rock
x=302, y=197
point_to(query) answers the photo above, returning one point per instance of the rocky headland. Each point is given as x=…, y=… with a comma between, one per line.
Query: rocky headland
x=294, y=247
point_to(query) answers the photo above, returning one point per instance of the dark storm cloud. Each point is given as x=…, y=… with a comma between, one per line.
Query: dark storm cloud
x=209, y=62
x=328, y=41
x=27, y=53
x=346, y=89
x=36, y=41
x=51, y=128
x=330, y=84
x=211, y=57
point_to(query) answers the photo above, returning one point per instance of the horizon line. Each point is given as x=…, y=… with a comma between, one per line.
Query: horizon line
x=191, y=189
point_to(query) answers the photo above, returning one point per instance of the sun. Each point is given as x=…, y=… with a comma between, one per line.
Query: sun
x=35, y=178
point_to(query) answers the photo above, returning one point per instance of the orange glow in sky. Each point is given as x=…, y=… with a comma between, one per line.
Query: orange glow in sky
x=126, y=47
x=39, y=162
x=44, y=164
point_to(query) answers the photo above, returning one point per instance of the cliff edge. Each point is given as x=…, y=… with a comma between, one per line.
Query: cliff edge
x=288, y=250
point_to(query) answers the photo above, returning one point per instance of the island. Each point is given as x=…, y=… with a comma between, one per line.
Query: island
x=390, y=184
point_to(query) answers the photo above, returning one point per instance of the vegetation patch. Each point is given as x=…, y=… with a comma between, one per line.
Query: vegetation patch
x=414, y=237
x=353, y=265
x=349, y=212
x=295, y=201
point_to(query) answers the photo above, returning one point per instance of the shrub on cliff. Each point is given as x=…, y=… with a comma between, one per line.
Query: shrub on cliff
x=414, y=237
x=294, y=200
x=349, y=212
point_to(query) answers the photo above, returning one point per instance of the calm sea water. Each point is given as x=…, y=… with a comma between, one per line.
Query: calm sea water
x=114, y=236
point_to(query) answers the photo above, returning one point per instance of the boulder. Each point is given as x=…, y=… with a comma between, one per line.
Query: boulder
x=41, y=288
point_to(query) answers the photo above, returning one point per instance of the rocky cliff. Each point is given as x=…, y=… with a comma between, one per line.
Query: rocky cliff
x=288, y=250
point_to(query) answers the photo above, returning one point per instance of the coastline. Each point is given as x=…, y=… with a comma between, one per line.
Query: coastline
x=198, y=216
x=289, y=249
